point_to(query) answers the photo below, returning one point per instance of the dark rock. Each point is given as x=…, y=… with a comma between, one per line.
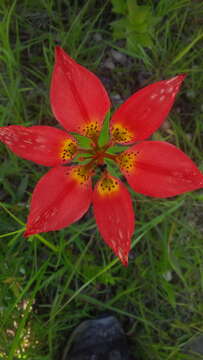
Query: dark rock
x=119, y=57
x=195, y=346
x=98, y=339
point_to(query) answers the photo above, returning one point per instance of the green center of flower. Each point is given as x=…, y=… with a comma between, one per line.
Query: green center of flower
x=95, y=157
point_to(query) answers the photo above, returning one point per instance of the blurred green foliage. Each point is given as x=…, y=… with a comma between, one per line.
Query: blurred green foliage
x=136, y=25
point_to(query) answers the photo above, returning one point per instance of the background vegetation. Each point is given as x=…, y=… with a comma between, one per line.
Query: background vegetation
x=49, y=283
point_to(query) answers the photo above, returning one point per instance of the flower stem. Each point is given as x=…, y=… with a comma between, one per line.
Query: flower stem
x=88, y=151
x=47, y=243
x=110, y=156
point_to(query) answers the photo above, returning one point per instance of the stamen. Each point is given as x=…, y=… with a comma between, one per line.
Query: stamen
x=121, y=134
x=81, y=174
x=68, y=149
x=91, y=129
x=107, y=186
x=127, y=161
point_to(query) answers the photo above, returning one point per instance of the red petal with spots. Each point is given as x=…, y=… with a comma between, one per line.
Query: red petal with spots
x=41, y=144
x=161, y=170
x=77, y=95
x=58, y=200
x=114, y=217
x=144, y=112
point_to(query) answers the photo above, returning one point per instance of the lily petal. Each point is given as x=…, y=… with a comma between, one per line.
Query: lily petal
x=60, y=198
x=44, y=145
x=79, y=100
x=114, y=215
x=159, y=169
x=144, y=112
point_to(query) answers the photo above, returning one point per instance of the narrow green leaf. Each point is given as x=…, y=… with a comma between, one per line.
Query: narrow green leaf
x=186, y=49
x=104, y=135
x=83, y=141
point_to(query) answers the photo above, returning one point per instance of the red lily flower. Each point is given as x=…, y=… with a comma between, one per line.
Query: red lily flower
x=80, y=104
